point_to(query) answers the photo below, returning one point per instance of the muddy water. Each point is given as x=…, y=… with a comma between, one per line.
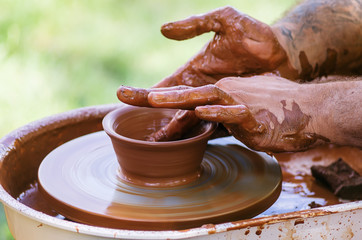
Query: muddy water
x=300, y=190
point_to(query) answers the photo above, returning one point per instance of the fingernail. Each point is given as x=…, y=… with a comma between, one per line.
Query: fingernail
x=125, y=92
x=166, y=26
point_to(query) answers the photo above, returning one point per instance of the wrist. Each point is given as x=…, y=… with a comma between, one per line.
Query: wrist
x=342, y=113
x=312, y=101
x=333, y=111
x=285, y=68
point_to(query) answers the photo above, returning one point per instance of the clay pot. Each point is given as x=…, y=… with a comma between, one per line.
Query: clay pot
x=155, y=163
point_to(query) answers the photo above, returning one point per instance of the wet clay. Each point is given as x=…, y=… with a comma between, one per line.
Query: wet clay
x=326, y=68
x=32, y=197
x=275, y=136
x=180, y=125
x=86, y=169
x=298, y=179
x=160, y=164
x=291, y=131
x=341, y=178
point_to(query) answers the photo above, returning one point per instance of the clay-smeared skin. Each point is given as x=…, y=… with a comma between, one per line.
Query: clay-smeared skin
x=241, y=45
x=183, y=120
x=255, y=126
x=139, y=96
x=323, y=37
x=178, y=126
x=274, y=114
x=318, y=38
x=290, y=132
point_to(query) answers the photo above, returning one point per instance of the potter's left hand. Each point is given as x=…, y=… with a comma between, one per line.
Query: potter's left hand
x=266, y=113
x=241, y=45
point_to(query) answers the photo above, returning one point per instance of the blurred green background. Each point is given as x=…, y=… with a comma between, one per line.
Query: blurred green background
x=57, y=55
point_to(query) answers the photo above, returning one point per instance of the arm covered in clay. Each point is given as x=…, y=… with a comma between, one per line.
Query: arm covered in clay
x=241, y=46
x=321, y=38
x=316, y=38
x=273, y=114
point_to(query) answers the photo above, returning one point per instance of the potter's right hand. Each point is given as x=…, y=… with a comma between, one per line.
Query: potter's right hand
x=266, y=113
x=241, y=46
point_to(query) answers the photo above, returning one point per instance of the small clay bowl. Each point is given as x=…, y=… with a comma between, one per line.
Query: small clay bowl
x=155, y=164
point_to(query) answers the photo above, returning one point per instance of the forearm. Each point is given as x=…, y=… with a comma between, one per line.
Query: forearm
x=320, y=38
x=337, y=111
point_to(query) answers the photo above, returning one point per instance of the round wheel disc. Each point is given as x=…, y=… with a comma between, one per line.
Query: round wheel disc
x=80, y=179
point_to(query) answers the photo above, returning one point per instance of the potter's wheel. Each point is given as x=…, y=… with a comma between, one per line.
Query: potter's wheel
x=80, y=179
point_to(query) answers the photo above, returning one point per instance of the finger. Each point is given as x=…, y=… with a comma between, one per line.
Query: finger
x=139, y=96
x=235, y=114
x=220, y=132
x=190, y=98
x=196, y=25
x=181, y=123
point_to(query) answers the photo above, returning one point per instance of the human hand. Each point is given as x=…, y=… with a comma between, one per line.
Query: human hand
x=241, y=46
x=266, y=113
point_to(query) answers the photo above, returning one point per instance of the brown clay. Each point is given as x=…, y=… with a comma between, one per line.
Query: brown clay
x=179, y=125
x=155, y=163
x=297, y=176
x=290, y=132
x=86, y=169
x=341, y=178
x=32, y=197
x=326, y=68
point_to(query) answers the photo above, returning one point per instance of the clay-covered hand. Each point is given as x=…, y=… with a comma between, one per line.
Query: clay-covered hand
x=266, y=113
x=241, y=46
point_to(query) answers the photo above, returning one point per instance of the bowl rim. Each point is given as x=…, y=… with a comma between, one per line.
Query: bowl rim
x=108, y=124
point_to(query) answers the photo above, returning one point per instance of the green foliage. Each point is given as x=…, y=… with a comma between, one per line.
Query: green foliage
x=4, y=232
x=57, y=55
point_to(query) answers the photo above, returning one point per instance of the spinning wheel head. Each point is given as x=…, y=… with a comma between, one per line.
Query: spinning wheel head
x=81, y=180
